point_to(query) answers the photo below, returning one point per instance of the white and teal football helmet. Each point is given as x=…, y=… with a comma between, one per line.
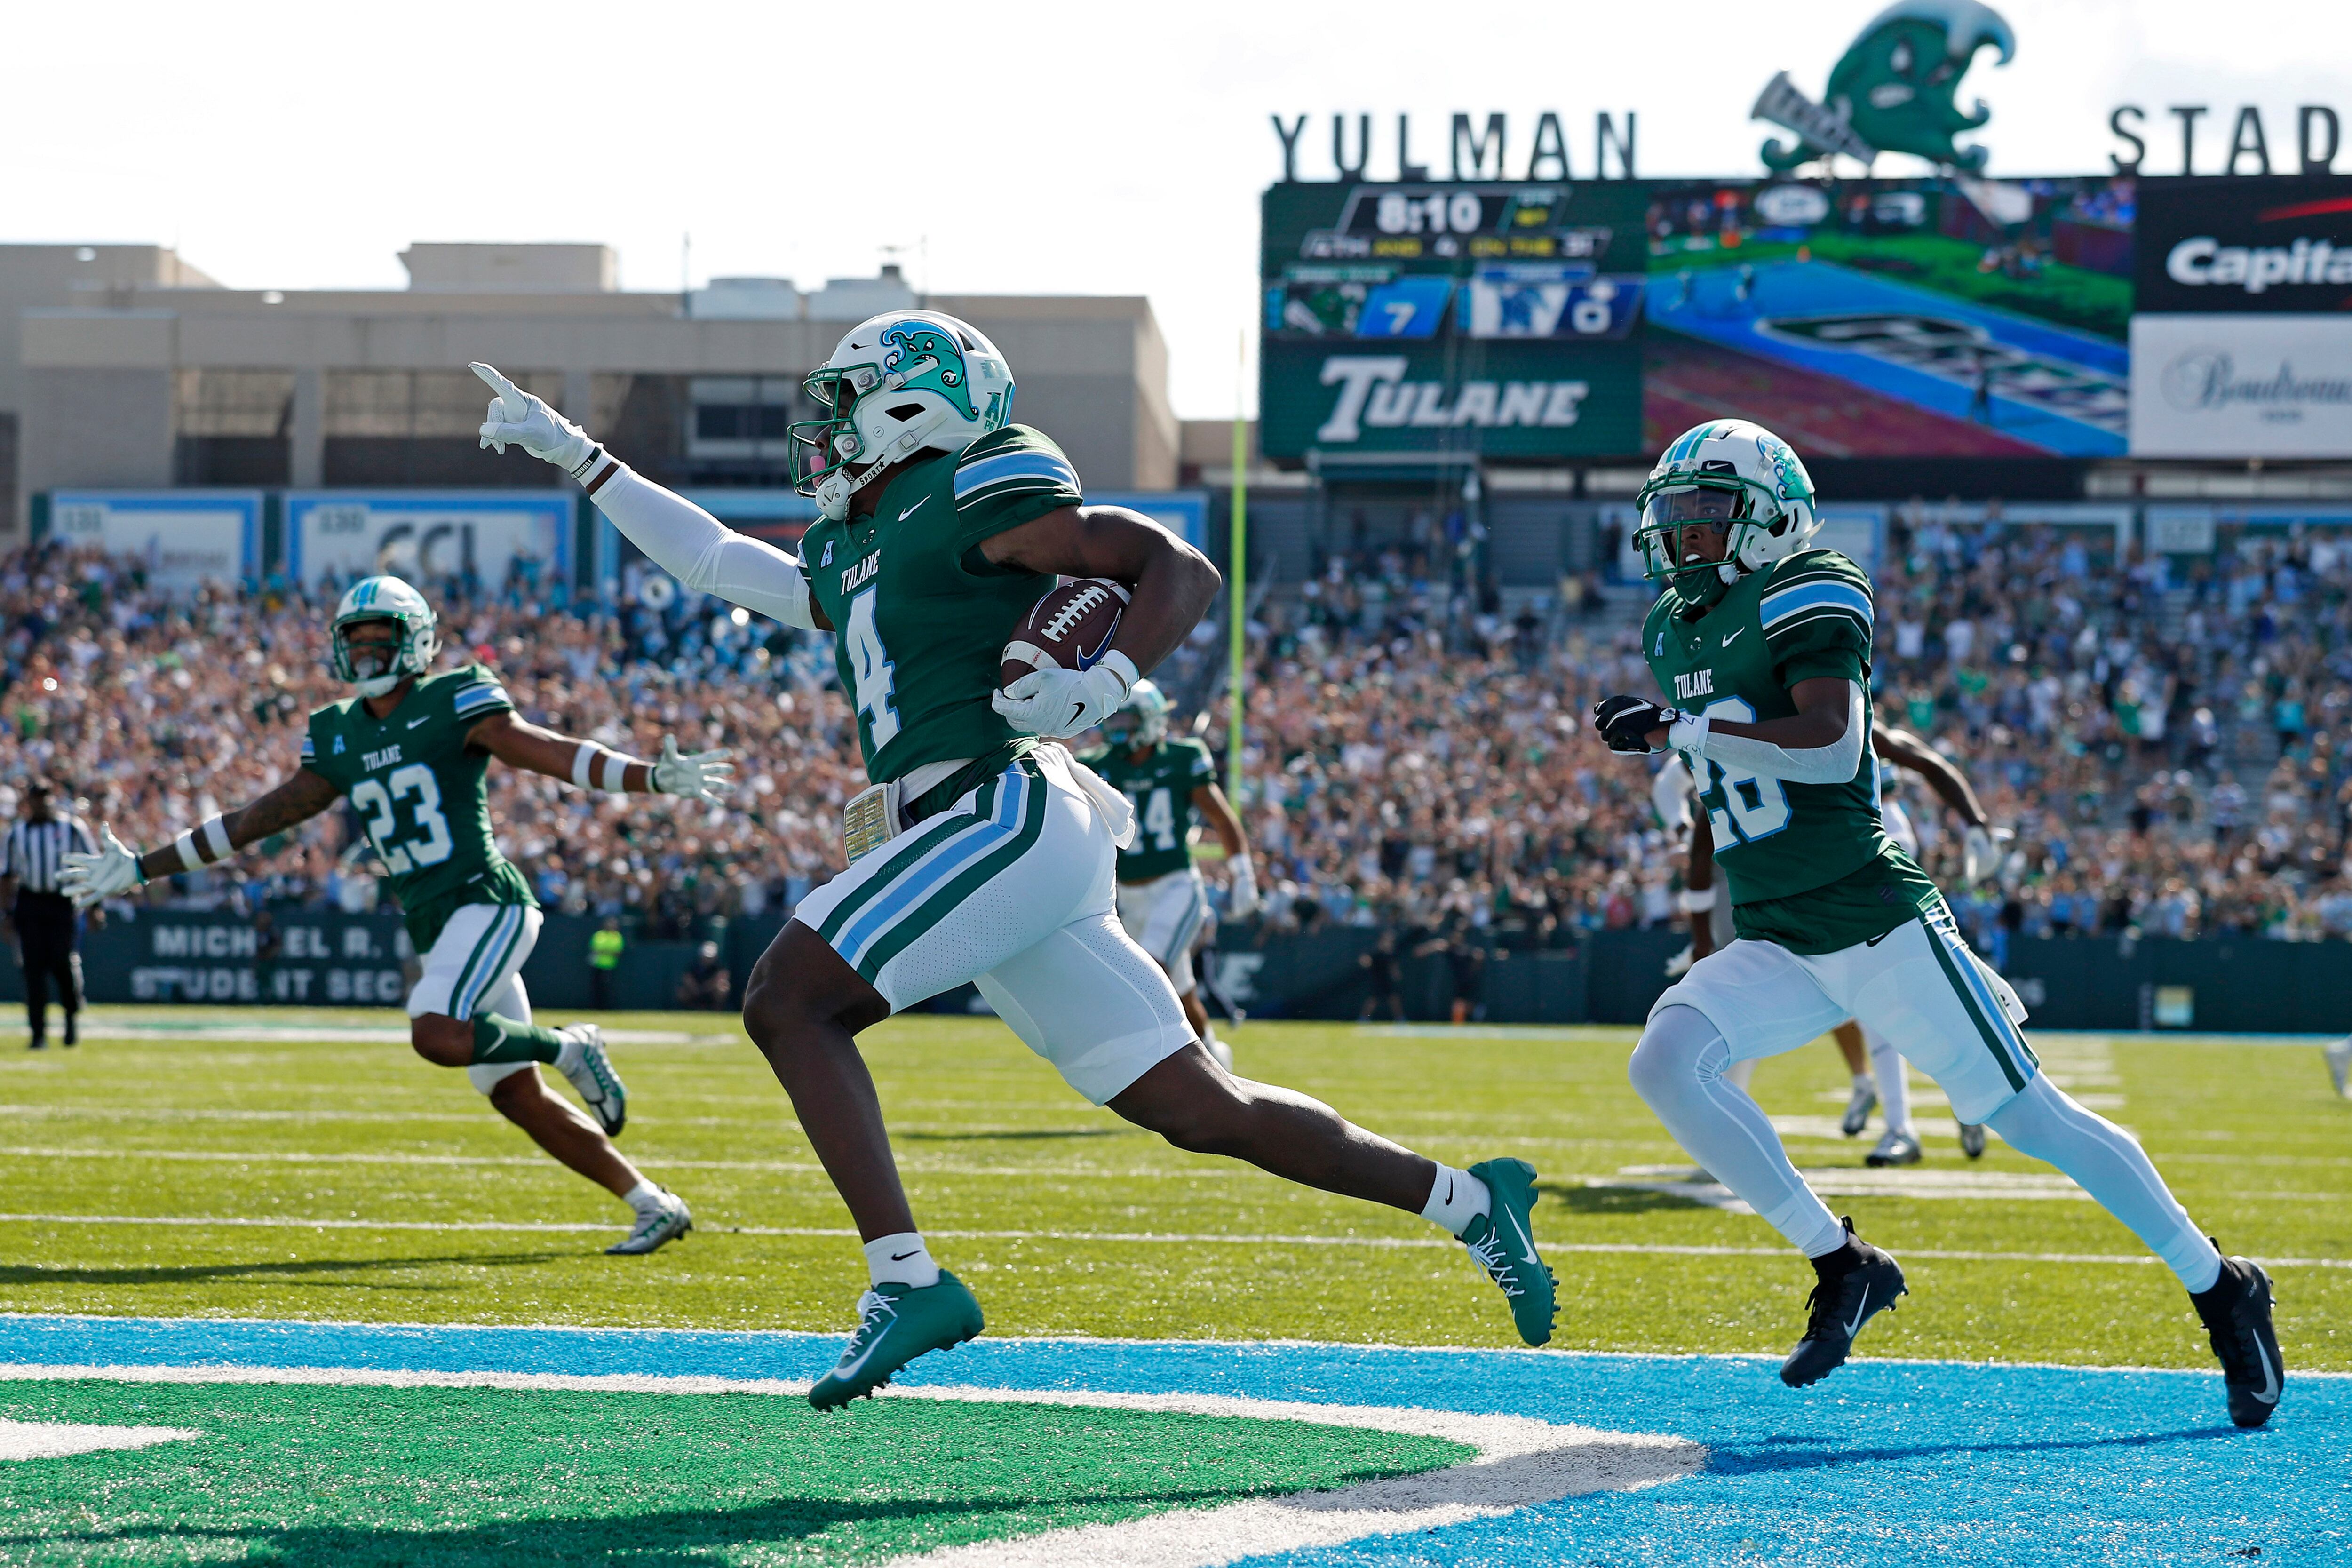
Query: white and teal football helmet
x=1740, y=477
x=894, y=386
x=383, y=599
x=1143, y=720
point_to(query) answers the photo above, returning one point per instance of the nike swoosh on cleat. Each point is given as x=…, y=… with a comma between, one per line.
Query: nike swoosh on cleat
x=1860, y=1312
x=2268, y=1393
x=845, y=1368
x=1527, y=1242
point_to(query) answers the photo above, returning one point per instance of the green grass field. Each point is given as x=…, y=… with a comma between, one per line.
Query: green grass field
x=363, y=1184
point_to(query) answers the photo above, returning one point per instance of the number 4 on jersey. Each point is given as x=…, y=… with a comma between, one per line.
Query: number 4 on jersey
x=877, y=676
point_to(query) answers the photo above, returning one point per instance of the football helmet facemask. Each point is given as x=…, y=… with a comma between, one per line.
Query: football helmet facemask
x=1742, y=480
x=1143, y=721
x=896, y=385
x=376, y=668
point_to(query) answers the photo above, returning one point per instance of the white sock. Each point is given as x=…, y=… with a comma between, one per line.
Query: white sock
x=2044, y=1123
x=1456, y=1198
x=1864, y=1082
x=567, y=1058
x=901, y=1260
x=645, y=1197
x=1893, y=1084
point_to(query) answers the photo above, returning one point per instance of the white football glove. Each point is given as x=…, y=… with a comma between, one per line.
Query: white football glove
x=87, y=879
x=1057, y=703
x=518, y=417
x=1980, y=852
x=1240, y=896
x=698, y=775
x=1679, y=965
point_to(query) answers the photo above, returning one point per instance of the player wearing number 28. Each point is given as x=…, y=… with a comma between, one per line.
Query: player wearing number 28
x=1762, y=648
x=983, y=851
x=411, y=750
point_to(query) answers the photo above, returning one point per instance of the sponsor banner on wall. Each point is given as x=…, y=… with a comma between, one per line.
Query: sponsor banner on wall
x=181, y=539
x=428, y=536
x=2237, y=246
x=2241, y=386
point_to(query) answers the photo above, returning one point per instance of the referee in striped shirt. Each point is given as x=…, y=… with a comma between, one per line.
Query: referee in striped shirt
x=41, y=919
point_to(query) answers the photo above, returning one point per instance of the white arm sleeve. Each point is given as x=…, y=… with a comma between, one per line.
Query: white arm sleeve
x=1671, y=791
x=1832, y=763
x=704, y=554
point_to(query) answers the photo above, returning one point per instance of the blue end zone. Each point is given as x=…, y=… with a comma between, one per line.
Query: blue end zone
x=1889, y=1462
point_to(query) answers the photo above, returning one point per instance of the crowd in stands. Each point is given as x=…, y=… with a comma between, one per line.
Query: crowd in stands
x=2168, y=736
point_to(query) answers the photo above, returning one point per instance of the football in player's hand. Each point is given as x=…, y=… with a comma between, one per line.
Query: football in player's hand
x=1070, y=626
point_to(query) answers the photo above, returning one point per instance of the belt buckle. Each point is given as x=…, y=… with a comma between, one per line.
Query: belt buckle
x=870, y=821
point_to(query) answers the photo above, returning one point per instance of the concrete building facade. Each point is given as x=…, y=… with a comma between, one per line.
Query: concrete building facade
x=121, y=367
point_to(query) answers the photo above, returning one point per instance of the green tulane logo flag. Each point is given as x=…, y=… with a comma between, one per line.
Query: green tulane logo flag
x=1895, y=89
x=1499, y=399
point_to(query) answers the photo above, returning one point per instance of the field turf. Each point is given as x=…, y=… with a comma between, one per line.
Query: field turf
x=306, y=1165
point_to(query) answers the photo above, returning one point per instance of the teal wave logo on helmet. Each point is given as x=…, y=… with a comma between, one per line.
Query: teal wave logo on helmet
x=1738, y=479
x=896, y=385
x=388, y=664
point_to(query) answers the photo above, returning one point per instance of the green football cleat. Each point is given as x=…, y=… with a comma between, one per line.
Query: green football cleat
x=1504, y=1246
x=899, y=1323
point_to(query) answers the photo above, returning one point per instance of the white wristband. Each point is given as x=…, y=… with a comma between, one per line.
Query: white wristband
x=615, y=765
x=1123, y=667
x=581, y=761
x=1687, y=734
x=1698, y=900
x=216, y=835
x=189, y=859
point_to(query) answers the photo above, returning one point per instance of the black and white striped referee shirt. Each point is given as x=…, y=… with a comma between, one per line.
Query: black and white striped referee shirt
x=35, y=852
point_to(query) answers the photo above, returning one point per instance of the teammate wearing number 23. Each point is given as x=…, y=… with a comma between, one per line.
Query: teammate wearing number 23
x=410, y=750
x=1762, y=646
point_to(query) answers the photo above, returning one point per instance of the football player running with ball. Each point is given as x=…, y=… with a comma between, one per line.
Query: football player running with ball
x=1161, y=901
x=411, y=752
x=1762, y=648
x=983, y=851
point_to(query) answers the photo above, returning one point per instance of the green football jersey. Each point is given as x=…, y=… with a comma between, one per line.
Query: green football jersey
x=1160, y=786
x=421, y=795
x=1809, y=866
x=920, y=618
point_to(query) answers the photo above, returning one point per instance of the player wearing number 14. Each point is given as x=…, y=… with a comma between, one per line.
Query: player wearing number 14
x=411, y=750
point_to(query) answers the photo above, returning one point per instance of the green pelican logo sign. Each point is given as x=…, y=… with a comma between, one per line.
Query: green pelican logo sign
x=1892, y=90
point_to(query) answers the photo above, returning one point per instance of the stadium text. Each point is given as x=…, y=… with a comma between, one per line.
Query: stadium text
x=2318, y=135
x=1373, y=390
x=1476, y=152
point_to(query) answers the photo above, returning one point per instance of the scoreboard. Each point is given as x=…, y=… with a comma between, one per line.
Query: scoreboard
x=1492, y=318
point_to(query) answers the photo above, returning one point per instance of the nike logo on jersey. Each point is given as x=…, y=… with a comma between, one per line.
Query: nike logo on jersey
x=413, y=723
x=1692, y=684
x=1730, y=638
x=913, y=510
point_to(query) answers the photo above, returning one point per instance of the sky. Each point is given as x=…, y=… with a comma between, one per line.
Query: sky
x=1044, y=148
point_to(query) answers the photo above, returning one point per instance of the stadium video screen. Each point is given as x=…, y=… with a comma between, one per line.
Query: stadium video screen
x=1500, y=318
x=1961, y=319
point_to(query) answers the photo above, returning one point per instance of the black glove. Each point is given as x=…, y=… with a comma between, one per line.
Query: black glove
x=1625, y=723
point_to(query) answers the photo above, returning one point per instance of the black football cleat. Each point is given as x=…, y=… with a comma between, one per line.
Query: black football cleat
x=2237, y=1316
x=1857, y=1282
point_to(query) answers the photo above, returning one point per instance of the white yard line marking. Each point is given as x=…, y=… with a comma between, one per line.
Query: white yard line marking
x=342, y=1034
x=914, y=1165
x=1521, y=1462
x=1145, y=1237
x=1851, y=1182
x=57, y=1439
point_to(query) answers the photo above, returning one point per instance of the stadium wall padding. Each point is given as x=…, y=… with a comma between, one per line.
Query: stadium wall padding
x=2226, y=985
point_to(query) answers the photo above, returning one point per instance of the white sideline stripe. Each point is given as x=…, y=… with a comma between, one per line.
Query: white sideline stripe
x=912, y=1166
x=57, y=1439
x=1521, y=1462
x=1149, y=1237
